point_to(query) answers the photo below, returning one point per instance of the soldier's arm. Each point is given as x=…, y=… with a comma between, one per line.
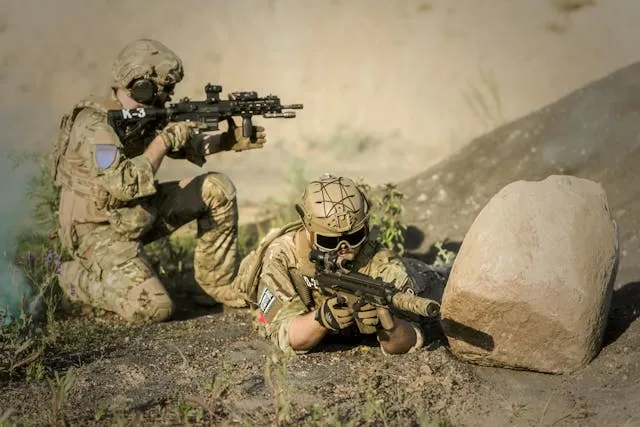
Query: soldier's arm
x=288, y=322
x=305, y=332
x=124, y=178
x=155, y=152
x=390, y=268
x=397, y=336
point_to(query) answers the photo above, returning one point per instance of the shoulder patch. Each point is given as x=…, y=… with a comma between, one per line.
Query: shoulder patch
x=105, y=155
x=266, y=300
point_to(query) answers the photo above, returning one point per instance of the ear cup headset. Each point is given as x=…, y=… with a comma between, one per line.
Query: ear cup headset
x=143, y=91
x=147, y=69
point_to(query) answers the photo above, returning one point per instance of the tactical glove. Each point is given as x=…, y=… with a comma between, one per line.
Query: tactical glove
x=335, y=314
x=234, y=140
x=195, y=149
x=366, y=314
x=175, y=135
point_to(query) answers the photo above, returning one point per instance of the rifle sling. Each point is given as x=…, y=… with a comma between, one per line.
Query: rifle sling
x=304, y=292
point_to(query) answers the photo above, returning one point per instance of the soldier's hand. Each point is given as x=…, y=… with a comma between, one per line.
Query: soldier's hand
x=335, y=314
x=386, y=318
x=367, y=314
x=175, y=135
x=195, y=151
x=234, y=140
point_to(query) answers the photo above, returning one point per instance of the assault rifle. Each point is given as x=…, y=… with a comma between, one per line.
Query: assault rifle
x=208, y=113
x=336, y=276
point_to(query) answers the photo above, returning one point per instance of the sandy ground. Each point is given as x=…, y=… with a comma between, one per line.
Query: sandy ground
x=213, y=370
x=386, y=85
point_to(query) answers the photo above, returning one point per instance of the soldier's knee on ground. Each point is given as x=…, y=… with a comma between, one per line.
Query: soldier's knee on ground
x=71, y=275
x=147, y=302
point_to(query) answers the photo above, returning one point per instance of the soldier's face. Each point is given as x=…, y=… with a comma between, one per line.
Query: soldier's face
x=348, y=252
x=163, y=95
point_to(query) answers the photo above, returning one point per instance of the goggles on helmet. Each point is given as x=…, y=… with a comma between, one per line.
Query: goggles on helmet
x=331, y=243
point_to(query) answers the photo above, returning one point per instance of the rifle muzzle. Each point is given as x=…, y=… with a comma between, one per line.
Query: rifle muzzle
x=417, y=305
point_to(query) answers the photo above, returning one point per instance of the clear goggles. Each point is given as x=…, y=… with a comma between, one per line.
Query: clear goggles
x=331, y=243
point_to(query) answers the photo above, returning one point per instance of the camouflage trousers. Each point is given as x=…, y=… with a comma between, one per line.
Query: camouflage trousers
x=109, y=269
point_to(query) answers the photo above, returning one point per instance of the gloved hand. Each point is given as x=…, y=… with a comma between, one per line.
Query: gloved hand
x=175, y=135
x=196, y=148
x=234, y=140
x=366, y=314
x=335, y=314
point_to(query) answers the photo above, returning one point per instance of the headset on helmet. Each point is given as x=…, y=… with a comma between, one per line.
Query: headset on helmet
x=143, y=90
x=143, y=66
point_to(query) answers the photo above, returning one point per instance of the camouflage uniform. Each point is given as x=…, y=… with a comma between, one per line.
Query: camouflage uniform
x=275, y=285
x=111, y=205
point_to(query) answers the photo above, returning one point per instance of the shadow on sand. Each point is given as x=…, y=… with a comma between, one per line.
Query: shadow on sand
x=624, y=310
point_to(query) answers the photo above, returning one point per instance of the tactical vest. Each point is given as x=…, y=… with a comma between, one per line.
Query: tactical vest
x=251, y=283
x=66, y=169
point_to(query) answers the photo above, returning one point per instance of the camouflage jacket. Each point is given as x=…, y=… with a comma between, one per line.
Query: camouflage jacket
x=102, y=178
x=286, y=260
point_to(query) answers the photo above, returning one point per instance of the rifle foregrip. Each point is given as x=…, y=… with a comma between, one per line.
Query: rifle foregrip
x=247, y=126
x=415, y=304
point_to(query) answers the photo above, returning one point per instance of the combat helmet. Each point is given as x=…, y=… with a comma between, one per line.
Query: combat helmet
x=146, y=59
x=333, y=208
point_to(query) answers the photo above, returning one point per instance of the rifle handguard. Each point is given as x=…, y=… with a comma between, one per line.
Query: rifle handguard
x=415, y=304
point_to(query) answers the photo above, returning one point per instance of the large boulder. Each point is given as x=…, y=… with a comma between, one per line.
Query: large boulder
x=532, y=283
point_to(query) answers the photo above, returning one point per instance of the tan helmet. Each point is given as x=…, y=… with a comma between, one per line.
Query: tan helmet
x=146, y=58
x=332, y=206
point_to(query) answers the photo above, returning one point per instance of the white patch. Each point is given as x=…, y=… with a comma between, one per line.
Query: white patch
x=311, y=282
x=266, y=300
x=137, y=113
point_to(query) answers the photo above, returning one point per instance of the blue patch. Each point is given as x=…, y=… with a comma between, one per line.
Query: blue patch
x=105, y=155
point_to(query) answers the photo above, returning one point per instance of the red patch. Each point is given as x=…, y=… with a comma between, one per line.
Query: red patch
x=261, y=318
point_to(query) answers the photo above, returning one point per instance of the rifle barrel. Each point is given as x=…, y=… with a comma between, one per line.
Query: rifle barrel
x=415, y=304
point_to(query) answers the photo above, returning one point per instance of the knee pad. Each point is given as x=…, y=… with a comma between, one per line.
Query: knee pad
x=218, y=190
x=148, y=302
x=70, y=278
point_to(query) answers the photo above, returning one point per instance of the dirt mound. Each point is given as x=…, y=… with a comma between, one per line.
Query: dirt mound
x=591, y=133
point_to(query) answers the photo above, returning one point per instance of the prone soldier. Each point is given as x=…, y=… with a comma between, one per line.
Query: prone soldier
x=279, y=279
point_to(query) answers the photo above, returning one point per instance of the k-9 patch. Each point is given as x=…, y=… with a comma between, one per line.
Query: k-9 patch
x=105, y=155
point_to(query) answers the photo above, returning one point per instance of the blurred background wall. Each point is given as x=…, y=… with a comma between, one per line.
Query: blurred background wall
x=389, y=87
